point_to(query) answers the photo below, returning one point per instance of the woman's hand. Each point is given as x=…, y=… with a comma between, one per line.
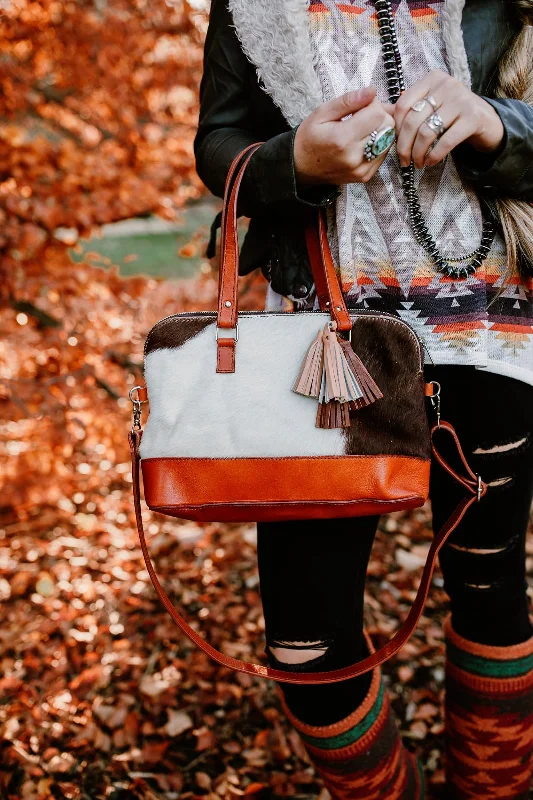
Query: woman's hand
x=330, y=149
x=466, y=117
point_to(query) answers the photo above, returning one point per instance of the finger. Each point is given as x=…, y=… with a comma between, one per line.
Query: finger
x=376, y=163
x=456, y=133
x=425, y=136
x=373, y=167
x=364, y=170
x=406, y=136
x=429, y=84
x=371, y=118
x=408, y=130
x=346, y=104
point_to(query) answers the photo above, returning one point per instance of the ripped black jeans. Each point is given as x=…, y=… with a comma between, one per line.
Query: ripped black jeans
x=312, y=573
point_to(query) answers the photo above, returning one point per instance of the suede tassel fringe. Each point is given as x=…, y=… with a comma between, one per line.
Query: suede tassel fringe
x=333, y=373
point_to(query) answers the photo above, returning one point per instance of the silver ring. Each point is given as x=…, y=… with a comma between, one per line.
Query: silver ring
x=433, y=144
x=379, y=142
x=436, y=124
x=419, y=105
x=431, y=100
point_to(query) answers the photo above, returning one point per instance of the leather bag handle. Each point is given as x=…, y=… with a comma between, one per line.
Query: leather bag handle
x=476, y=489
x=229, y=243
x=229, y=256
x=319, y=253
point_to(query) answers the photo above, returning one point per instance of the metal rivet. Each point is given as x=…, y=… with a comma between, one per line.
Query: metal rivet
x=228, y=303
x=338, y=308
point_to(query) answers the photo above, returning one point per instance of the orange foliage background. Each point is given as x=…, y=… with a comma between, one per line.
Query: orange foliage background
x=97, y=113
x=100, y=697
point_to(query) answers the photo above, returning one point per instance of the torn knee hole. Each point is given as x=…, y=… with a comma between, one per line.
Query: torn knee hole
x=500, y=482
x=478, y=551
x=504, y=447
x=481, y=586
x=297, y=652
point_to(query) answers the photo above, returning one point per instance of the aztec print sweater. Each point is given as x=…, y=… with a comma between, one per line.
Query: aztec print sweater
x=472, y=321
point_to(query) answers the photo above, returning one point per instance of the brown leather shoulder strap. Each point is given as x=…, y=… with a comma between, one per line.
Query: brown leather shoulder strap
x=229, y=242
x=475, y=488
x=323, y=267
x=328, y=289
x=315, y=260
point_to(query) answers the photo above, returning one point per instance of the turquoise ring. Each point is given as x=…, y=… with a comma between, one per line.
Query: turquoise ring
x=379, y=142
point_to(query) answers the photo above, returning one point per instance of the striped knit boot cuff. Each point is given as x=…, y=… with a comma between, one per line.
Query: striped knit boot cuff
x=489, y=719
x=362, y=755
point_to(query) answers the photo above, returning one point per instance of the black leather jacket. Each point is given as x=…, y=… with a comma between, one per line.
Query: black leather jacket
x=235, y=111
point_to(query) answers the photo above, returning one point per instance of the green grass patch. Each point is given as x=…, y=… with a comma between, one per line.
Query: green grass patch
x=177, y=253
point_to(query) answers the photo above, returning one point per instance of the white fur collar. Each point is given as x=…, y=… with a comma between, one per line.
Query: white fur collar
x=274, y=35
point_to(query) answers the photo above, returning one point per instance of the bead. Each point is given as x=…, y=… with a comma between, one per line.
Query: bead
x=392, y=61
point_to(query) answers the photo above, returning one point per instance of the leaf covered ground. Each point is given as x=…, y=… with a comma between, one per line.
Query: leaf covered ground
x=100, y=695
x=103, y=697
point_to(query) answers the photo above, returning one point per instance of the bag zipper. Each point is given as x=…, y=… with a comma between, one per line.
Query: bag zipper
x=359, y=312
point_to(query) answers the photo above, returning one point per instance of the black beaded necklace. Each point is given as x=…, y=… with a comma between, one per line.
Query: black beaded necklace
x=396, y=85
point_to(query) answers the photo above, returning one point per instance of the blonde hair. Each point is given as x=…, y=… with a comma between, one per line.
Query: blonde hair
x=515, y=80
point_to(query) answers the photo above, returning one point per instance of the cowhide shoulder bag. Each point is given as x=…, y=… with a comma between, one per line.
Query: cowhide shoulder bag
x=279, y=416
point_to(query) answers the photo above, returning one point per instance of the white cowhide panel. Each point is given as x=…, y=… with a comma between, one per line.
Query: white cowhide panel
x=195, y=412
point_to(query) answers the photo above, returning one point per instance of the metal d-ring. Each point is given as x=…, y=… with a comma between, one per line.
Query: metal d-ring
x=136, y=399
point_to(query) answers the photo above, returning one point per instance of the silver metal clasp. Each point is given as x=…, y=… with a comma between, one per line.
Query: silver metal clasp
x=479, y=488
x=435, y=400
x=137, y=408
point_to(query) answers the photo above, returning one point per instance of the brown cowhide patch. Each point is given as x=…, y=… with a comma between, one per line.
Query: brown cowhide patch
x=398, y=423
x=175, y=331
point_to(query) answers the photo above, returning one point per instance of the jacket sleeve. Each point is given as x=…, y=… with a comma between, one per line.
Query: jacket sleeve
x=509, y=171
x=226, y=126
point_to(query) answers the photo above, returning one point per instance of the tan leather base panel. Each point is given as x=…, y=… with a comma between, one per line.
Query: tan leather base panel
x=276, y=489
x=278, y=513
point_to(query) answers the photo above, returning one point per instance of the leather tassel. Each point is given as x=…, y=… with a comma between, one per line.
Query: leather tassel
x=332, y=372
x=369, y=388
x=309, y=379
x=338, y=387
